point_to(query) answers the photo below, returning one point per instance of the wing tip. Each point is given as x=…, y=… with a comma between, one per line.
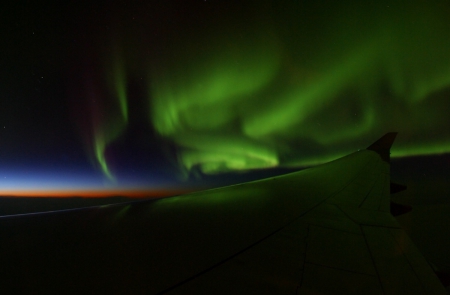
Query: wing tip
x=383, y=145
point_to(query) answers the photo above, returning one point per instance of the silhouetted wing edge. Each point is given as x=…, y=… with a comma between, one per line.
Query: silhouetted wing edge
x=348, y=244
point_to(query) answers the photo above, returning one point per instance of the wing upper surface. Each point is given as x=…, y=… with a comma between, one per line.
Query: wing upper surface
x=348, y=243
x=323, y=230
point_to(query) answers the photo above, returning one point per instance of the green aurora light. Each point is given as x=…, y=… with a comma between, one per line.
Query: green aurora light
x=285, y=88
x=117, y=82
x=110, y=117
x=104, y=135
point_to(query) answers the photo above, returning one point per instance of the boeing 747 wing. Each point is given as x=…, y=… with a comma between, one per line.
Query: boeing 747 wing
x=323, y=230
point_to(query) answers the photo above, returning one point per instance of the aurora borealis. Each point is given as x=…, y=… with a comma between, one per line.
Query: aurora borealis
x=130, y=98
x=178, y=91
x=270, y=84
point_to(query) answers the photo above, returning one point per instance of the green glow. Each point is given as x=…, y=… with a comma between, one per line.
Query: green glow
x=123, y=211
x=121, y=90
x=294, y=106
x=441, y=147
x=297, y=95
x=109, y=129
x=224, y=152
x=203, y=100
x=291, y=84
x=209, y=87
x=110, y=116
x=105, y=133
x=116, y=78
x=100, y=156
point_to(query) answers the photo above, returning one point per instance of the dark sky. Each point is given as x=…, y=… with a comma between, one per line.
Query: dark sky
x=151, y=94
x=184, y=89
x=179, y=89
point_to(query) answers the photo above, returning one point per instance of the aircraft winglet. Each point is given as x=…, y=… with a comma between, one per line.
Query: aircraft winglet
x=383, y=145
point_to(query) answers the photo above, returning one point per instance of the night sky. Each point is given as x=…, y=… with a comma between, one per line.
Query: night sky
x=161, y=96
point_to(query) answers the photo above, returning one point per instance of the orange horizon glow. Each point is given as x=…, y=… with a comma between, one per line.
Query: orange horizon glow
x=131, y=193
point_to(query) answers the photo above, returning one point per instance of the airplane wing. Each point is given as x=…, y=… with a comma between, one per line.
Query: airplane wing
x=323, y=230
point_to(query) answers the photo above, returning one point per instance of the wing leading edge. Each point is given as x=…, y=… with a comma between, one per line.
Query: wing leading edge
x=323, y=230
